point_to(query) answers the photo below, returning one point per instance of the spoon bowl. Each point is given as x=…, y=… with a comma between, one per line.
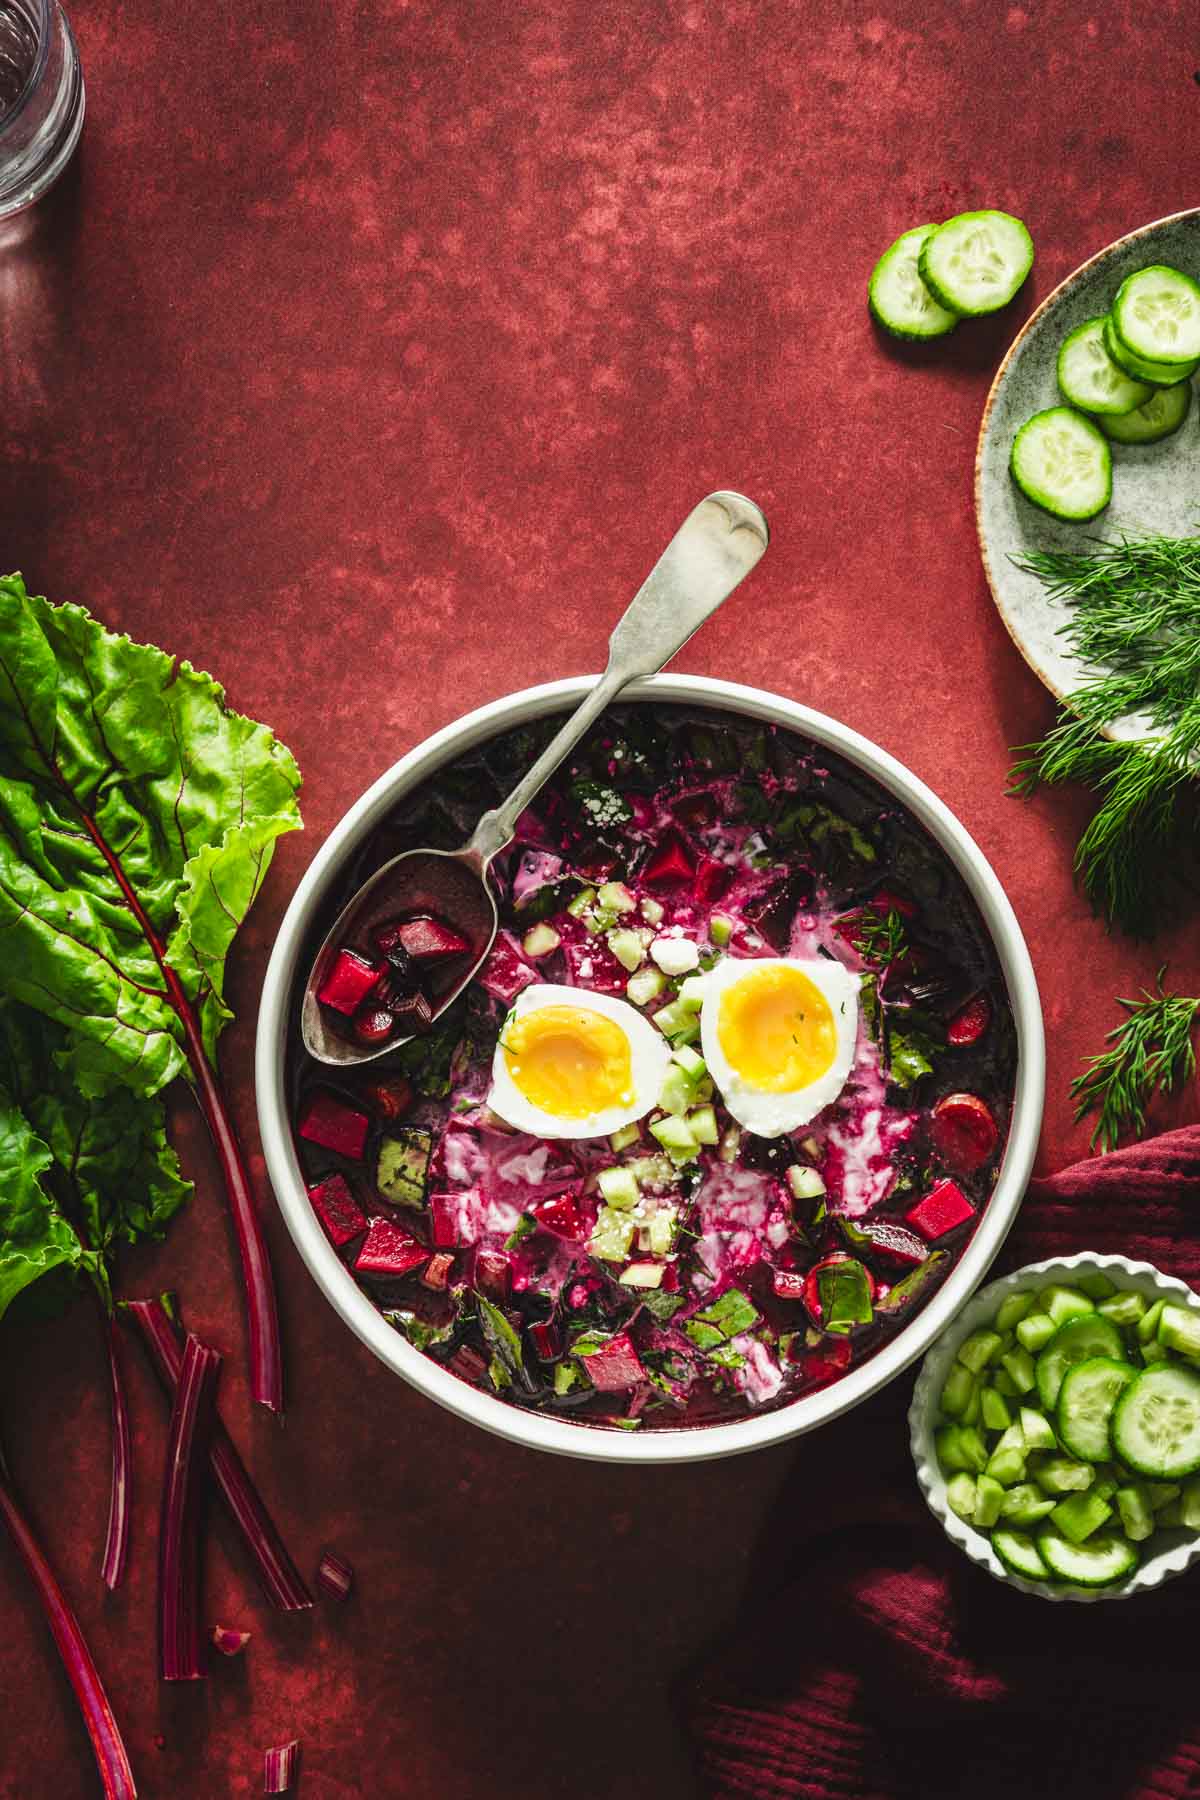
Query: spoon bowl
x=445, y=884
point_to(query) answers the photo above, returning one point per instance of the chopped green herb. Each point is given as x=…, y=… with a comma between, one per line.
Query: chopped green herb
x=602, y=805
x=524, y=1226
x=502, y=1341
x=902, y=1291
x=725, y=1318
x=845, y=1296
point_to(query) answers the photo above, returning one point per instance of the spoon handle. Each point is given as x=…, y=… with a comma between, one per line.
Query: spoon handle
x=718, y=544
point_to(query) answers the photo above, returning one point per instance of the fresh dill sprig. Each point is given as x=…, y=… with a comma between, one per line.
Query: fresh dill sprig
x=1135, y=621
x=879, y=937
x=1151, y=1052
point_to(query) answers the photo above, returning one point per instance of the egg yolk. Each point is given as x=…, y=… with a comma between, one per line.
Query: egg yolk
x=777, y=1030
x=568, y=1061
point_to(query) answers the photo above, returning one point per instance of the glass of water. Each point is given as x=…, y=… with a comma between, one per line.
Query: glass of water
x=41, y=100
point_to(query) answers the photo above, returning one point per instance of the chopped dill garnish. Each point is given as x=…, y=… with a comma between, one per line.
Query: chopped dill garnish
x=1135, y=621
x=879, y=937
x=1151, y=1053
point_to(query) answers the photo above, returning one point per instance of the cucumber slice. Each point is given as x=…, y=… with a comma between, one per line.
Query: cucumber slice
x=1163, y=413
x=1075, y=1342
x=975, y=263
x=1106, y=1556
x=1018, y=1552
x=899, y=299
x=1063, y=464
x=1089, y=1392
x=1157, y=314
x=1158, y=374
x=1156, y=1425
x=1090, y=378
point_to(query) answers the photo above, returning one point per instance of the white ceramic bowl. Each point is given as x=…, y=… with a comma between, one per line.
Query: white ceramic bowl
x=1179, y=1549
x=660, y=1445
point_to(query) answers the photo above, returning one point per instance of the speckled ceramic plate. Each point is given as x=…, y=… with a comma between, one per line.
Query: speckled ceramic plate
x=1156, y=487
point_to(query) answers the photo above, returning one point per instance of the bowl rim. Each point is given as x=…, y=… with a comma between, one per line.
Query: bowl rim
x=666, y=1444
x=1173, y=1559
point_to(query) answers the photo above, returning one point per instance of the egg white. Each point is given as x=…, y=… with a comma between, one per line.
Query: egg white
x=649, y=1055
x=767, y=1114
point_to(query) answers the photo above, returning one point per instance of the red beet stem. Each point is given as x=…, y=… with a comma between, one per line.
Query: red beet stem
x=280, y=1766
x=180, y=1646
x=116, y=1544
x=229, y=1641
x=335, y=1576
x=266, y=1361
x=111, y=1758
x=281, y=1580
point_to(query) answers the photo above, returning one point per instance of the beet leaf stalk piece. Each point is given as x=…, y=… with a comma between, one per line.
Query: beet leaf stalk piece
x=116, y=1544
x=281, y=1765
x=104, y=1176
x=111, y=1757
x=140, y=819
x=180, y=1641
x=282, y=1582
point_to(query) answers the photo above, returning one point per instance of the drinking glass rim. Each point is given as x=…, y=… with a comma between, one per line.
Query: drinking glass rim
x=43, y=10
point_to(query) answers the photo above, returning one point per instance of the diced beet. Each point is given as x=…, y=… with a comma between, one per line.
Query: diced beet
x=560, y=1214
x=615, y=1365
x=771, y=913
x=942, y=1209
x=547, y=1339
x=696, y=811
x=505, y=972
x=348, y=980
x=444, y=1214
x=827, y=1363
x=671, y=863
x=591, y=964
x=713, y=881
x=970, y=1022
x=425, y=939
x=393, y=1098
x=413, y=1015
x=887, y=900
x=333, y=1123
x=468, y=1363
x=337, y=1209
x=437, y=1274
x=890, y=1239
x=493, y=1274
x=788, y=1284
x=374, y=1025
x=389, y=1250
x=964, y=1131
x=401, y=975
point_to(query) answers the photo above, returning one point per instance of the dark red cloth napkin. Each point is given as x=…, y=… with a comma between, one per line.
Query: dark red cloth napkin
x=874, y=1662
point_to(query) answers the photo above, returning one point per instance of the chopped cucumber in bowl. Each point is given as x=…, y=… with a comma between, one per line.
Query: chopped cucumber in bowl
x=1055, y=1428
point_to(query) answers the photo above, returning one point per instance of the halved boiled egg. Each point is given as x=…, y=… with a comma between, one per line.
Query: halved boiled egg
x=778, y=1035
x=570, y=1063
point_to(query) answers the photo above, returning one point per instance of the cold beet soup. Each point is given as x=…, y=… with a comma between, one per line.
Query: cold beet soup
x=721, y=1109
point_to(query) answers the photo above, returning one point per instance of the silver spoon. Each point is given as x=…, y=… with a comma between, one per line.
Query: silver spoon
x=718, y=544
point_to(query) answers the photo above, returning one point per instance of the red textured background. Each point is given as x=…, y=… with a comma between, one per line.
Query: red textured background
x=368, y=356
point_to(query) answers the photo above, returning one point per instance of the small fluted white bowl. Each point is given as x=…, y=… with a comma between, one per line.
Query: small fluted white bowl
x=1170, y=1552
